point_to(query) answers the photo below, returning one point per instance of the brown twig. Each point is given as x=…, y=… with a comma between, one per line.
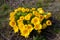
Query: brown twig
x=4, y=36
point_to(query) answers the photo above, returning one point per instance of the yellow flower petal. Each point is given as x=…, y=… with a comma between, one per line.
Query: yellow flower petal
x=29, y=27
x=40, y=10
x=21, y=17
x=19, y=21
x=33, y=9
x=37, y=26
x=27, y=9
x=47, y=16
x=41, y=17
x=12, y=18
x=28, y=16
x=36, y=13
x=12, y=14
x=21, y=26
x=18, y=9
x=23, y=10
x=44, y=25
x=15, y=28
x=35, y=20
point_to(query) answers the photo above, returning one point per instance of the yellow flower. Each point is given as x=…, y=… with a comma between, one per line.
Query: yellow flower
x=49, y=13
x=48, y=22
x=15, y=28
x=44, y=25
x=27, y=9
x=33, y=9
x=35, y=20
x=23, y=10
x=36, y=13
x=39, y=31
x=21, y=26
x=29, y=27
x=15, y=10
x=40, y=10
x=25, y=33
x=21, y=18
x=41, y=17
x=12, y=14
x=19, y=21
x=18, y=9
x=37, y=26
x=12, y=23
x=28, y=16
x=47, y=16
x=12, y=18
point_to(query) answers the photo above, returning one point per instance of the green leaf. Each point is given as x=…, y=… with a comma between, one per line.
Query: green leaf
x=17, y=15
x=39, y=37
x=23, y=14
x=57, y=30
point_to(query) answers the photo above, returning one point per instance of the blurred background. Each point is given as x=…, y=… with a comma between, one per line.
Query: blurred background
x=6, y=6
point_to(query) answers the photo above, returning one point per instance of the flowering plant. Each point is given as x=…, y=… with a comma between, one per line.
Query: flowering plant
x=25, y=20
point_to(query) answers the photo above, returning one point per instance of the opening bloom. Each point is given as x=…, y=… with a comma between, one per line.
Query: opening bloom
x=48, y=22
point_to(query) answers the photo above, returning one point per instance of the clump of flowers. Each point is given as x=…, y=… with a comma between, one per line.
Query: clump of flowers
x=25, y=20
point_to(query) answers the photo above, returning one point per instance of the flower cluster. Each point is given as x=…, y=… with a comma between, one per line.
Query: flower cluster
x=25, y=20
